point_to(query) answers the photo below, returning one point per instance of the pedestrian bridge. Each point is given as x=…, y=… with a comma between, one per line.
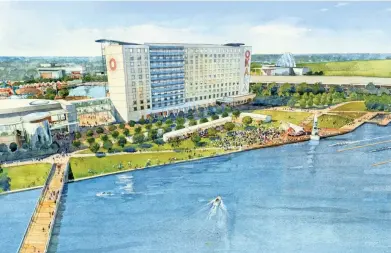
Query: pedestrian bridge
x=37, y=236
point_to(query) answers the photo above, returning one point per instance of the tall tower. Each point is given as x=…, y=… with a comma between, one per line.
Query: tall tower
x=315, y=129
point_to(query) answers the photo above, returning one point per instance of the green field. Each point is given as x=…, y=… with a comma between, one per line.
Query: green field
x=26, y=176
x=286, y=116
x=373, y=68
x=333, y=121
x=90, y=166
x=352, y=106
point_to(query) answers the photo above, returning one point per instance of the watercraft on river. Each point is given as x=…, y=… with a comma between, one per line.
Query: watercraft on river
x=104, y=194
x=380, y=149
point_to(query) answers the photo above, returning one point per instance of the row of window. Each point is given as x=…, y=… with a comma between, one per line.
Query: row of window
x=212, y=96
x=138, y=50
x=213, y=50
x=196, y=56
x=166, y=104
x=135, y=108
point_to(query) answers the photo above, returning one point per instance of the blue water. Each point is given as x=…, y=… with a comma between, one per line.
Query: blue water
x=294, y=198
x=90, y=91
x=15, y=213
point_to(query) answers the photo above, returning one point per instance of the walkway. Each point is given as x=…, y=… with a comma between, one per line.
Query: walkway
x=38, y=233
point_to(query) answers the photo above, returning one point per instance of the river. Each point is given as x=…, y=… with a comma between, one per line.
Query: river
x=15, y=213
x=294, y=198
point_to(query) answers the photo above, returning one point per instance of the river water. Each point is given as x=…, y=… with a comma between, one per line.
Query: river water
x=89, y=91
x=15, y=213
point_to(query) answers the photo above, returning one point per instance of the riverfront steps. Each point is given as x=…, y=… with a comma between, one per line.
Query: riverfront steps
x=38, y=233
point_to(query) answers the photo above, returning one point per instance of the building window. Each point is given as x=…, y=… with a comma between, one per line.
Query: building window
x=148, y=106
x=142, y=107
x=134, y=108
x=138, y=50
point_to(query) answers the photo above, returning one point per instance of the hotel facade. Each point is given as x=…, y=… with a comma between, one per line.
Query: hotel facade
x=149, y=80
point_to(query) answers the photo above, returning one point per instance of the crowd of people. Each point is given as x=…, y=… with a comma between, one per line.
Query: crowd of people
x=250, y=137
x=95, y=119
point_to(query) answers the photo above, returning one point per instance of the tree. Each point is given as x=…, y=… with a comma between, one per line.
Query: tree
x=122, y=141
x=247, y=120
x=310, y=102
x=138, y=138
x=285, y=89
x=291, y=102
x=99, y=130
x=132, y=123
x=121, y=125
x=76, y=143
x=225, y=114
x=148, y=127
x=158, y=123
x=3, y=147
x=236, y=113
x=317, y=99
x=302, y=103
x=203, y=120
x=179, y=127
x=212, y=132
x=112, y=127
x=142, y=121
x=214, y=117
x=77, y=135
x=90, y=140
x=104, y=137
x=13, y=146
x=180, y=121
x=107, y=145
x=90, y=133
x=169, y=122
x=229, y=126
x=195, y=138
x=192, y=122
x=137, y=130
x=115, y=134
x=94, y=147
x=126, y=132
x=63, y=93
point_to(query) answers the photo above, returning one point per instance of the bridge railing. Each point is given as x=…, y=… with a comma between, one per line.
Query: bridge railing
x=42, y=194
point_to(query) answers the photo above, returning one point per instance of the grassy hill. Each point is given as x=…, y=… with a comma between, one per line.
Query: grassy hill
x=373, y=68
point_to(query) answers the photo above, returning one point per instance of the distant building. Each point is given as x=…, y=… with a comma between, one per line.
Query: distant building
x=285, y=66
x=57, y=71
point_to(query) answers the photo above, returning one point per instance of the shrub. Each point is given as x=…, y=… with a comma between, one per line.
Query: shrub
x=141, y=121
x=138, y=138
x=90, y=133
x=90, y=140
x=126, y=132
x=180, y=121
x=229, y=126
x=203, y=120
x=3, y=147
x=107, y=145
x=13, y=146
x=167, y=129
x=132, y=123
x=195, y=138
x=115, y=134
x=104, y=137
x=179, y=127
x=94, y=147
x=159, y=141
x=114, y=150
x=122, y=126
x=130, y=149
x=77, y=135
x=99, y=130
x=25, y=146
x=168, y=122
x=192, y=122
x=225, y=114
x=212, y=132
x=214, y=117
x=76, y=143
x=236, y=113
x=158, y=123
x=145, y=145
x=148, y=127
x=112, y=127
x=122, y=141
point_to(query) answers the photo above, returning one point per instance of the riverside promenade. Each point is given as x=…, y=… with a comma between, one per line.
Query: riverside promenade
x=38, y=233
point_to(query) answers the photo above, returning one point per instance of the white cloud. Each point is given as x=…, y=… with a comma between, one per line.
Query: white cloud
x=324, y=9
x=340, y=4
x=23, y=33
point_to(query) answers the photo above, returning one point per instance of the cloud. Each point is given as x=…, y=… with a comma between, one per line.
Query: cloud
x=324, y=9
x=388, y=9
x=340, y=5
x=24, y=33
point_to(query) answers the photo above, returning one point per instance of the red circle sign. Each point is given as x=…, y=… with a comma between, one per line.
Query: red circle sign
x=247, y=54
x=113, y=64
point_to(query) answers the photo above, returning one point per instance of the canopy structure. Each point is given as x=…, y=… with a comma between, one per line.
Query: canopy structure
x=192, y=129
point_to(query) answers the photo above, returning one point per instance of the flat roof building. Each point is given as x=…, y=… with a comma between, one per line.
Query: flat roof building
x=152, y=79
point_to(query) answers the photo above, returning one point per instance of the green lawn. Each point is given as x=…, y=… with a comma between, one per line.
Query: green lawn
x=26, y=176
x=81, y=165
x=333, y=121
x=352, y=106
x=373, y=68
x=352, y=115
x=286, y=116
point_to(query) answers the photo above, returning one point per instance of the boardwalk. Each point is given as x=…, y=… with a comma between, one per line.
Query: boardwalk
x=38, y=234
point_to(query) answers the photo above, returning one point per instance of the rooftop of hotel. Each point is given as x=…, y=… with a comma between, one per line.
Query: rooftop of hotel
x=165, y=44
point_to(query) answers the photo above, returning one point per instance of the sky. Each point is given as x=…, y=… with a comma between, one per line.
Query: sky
x=70, y=28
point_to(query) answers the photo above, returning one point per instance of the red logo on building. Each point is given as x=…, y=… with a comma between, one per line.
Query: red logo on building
x=112, y=64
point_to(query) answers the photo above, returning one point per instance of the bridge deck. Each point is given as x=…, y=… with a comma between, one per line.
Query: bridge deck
x=38, y=234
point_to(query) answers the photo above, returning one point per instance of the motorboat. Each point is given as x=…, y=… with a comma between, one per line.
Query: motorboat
x=104, y=194
x=217, y=201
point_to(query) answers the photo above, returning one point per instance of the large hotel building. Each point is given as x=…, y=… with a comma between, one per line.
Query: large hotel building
x=159, y=79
